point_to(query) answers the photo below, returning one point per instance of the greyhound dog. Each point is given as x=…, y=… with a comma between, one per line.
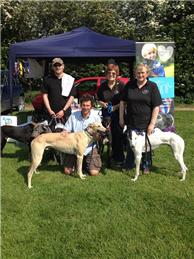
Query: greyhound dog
x=24, y=133
x=70, y=143
x=157, y=138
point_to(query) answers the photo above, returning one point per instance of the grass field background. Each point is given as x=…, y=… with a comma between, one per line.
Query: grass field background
x=108, y=216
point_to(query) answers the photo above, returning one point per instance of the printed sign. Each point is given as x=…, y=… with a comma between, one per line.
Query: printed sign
x=159, y=57
x=9, y=120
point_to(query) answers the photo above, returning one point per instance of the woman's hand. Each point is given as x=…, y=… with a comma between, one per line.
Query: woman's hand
x=150, y=128
x=153, y=120
x=104, y=105
x=52, y=113
x=115, y=107
x=121, y=122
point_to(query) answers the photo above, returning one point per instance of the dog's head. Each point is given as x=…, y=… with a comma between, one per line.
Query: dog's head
x=40, y=128
x=106, y=122
x=59, y=127
x=135, y=137
x=164, y=120
x=97, y=131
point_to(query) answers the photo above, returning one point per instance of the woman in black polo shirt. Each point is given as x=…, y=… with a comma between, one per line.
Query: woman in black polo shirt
x=143, y=99
x=109, y=95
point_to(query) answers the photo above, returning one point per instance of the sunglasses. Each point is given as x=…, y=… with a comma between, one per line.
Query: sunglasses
x=112, y=73
x=57, y=65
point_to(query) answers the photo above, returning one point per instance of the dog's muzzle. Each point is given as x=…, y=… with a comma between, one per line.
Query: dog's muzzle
x=40, y=129
x=102, y=134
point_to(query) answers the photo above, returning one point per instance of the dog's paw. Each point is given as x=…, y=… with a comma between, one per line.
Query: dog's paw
x=30, y=187
x=83, y=177
x=182, y=179
x=134, y=179
x=36, y=172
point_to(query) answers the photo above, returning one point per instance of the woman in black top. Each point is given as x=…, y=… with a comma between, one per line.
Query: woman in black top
x=109, y=95
x=143, y=99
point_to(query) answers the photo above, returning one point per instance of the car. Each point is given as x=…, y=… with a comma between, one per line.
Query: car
x=18, y=95
x=91, y=85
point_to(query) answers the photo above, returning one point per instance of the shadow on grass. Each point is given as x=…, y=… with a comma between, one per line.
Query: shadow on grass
x=23, y=170
x=165, y=171
x=21, y=154
x=154, y=169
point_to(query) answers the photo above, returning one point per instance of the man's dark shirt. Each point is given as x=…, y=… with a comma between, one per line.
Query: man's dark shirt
x=53, y=87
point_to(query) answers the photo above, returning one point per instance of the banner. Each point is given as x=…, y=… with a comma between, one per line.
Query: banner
x=159, y=57
x=9, y=120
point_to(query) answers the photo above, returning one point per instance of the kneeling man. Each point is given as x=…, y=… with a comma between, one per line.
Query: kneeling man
x=79, y=121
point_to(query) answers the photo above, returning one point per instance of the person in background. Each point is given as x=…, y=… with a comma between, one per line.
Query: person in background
x=58, y=91
x=149, y=53
x=142, y=99
x=79, y=121
x=109, y=97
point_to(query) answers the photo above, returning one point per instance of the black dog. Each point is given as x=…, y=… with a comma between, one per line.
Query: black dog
x=106, y=122
x=22, y=133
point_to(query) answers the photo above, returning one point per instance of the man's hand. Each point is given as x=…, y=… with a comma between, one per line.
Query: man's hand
x=64, y=133
x=60, y=114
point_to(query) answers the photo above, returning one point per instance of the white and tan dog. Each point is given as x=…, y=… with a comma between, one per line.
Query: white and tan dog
x=157, y=138
x=70, y=143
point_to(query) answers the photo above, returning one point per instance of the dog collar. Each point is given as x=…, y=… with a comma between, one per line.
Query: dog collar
x=88, y=134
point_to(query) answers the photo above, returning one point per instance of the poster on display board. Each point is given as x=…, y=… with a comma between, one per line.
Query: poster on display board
x=159, y=57
x=9, y=120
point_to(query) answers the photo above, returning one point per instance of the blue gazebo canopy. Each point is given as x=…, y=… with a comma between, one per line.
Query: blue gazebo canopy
x=80, y=42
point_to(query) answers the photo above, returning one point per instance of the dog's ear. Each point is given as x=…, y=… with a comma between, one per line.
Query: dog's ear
x=93, y=125
x=90, y=125
x=32, y=125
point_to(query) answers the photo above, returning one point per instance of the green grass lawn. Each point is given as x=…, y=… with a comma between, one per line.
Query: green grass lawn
x=108, y=216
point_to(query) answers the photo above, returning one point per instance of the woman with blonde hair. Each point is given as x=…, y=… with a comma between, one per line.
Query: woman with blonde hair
x=142, y=99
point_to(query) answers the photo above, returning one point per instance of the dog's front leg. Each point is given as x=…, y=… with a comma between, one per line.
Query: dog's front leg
x=79, y=166
x=138, y=157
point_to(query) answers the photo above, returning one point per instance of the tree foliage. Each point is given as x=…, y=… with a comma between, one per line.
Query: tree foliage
x=139, y=20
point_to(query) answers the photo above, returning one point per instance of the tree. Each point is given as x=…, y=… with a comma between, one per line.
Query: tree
x=139, y=20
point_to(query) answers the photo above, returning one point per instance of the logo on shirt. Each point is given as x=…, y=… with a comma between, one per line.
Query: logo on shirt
x=145, y=91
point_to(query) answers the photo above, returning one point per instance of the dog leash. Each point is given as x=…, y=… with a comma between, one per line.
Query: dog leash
x=146, y=149
x=141, y=132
